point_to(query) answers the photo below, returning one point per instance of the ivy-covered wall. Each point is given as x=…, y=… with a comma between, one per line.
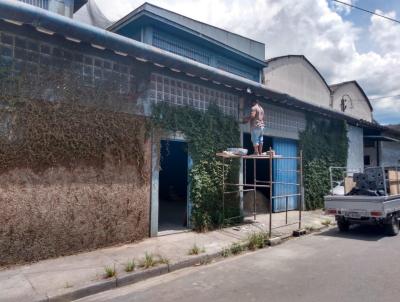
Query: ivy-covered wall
x=72, y=178
x=207, y=133
x=324, y=143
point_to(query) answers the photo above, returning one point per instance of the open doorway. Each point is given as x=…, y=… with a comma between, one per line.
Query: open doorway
x=262, y=168
x=173, y=186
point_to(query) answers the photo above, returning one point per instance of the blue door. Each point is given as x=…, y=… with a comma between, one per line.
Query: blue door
x=284, y=171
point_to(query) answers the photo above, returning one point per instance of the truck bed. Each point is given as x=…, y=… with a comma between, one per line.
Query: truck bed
x=362, y=206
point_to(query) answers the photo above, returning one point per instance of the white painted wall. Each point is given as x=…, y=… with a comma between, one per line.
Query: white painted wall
x=358, y=107
x=390, y=153
x=296, y=77
x=355, y=151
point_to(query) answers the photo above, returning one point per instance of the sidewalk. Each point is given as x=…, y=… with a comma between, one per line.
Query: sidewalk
x=82, y=274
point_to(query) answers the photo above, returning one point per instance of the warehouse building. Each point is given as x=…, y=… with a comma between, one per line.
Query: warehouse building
x=160, y=56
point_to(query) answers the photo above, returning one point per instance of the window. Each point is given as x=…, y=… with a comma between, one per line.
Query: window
x=182, y=93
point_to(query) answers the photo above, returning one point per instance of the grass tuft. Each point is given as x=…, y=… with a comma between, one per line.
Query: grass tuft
x=225, y=252
x=130, y=266
x=148, y=261
x=236, y=248
x=163, y=260
x=195, y=250
x=256, y=241
x=110, y=271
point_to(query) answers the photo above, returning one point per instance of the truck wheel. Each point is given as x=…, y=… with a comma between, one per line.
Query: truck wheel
x=343, y=225
x=392, y=228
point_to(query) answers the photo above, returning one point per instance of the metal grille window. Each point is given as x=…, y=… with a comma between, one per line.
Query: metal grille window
x=238, y=69
x=180, y=47
x=284, y=119
x=183, y=93
x=40, y=3
x=203, y=55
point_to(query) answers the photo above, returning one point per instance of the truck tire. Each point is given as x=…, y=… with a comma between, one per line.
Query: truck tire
x=343, y=225
x=392, y=228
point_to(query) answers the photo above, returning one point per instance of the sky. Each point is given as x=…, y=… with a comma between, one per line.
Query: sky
x=342, y=43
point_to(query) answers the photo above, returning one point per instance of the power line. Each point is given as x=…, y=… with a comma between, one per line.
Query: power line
x=368, y=11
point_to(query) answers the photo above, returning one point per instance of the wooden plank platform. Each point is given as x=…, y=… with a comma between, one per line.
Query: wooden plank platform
x=253, y=156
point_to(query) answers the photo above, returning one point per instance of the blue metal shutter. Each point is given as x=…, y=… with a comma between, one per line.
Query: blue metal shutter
x=284, y=171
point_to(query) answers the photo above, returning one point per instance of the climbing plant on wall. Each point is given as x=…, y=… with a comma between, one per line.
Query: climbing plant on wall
x=207, y=133
x=324, y=144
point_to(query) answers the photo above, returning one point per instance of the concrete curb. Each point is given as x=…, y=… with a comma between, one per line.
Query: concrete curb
x=274, y=241
x=84, y=291
x=124, y=279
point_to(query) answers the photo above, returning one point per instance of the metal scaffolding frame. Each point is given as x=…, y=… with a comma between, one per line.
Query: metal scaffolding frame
x=264, y=184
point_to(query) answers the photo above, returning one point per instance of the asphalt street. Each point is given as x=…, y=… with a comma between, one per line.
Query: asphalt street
x=362, y=265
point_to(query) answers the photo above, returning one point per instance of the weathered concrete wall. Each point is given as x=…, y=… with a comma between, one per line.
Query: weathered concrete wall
x=390, y=153
x=355, y=151
x=357, y=107
x=293, y=75
x=60, y=212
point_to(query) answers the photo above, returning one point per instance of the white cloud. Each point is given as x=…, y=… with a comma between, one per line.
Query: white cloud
x=342, y=8
x=310, y=27
x=385, y=33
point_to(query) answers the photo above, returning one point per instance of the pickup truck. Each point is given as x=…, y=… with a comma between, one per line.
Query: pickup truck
x=362, y=205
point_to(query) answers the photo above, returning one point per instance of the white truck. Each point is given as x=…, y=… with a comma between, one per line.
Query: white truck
x=368, y=197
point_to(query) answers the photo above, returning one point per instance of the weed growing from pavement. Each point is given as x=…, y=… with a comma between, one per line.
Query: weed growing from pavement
x=195, y=250
x=162, y=260
x=256, y=241
x=110, y=271
x=236, y=248
x=130, y=266
x=148, y=261
x=226, y=252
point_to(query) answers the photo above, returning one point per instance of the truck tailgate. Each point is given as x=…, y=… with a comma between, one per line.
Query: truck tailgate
x=364, y=204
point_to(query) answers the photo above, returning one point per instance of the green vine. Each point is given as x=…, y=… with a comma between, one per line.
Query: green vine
x=324, y=144
x=207, y=133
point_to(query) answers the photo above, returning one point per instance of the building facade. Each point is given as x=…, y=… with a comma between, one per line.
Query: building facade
x=153, y=55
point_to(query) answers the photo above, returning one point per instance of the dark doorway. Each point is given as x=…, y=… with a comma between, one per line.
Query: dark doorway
x=173, y=182
x=262, y=168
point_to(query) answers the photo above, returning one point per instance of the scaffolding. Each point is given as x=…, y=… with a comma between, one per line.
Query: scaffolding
x=241, y=187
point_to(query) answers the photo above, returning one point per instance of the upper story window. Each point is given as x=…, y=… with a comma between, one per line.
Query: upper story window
x=180, y=47
x=40, y=3
x=203, y=55
x=61, y=7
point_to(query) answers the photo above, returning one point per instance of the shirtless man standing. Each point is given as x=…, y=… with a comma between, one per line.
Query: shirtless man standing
x=256, y=120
